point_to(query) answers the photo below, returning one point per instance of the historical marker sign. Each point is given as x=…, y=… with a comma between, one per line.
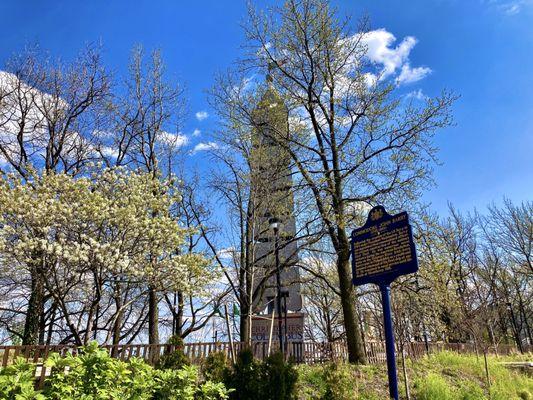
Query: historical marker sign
x=261, y=327
x=383, y=248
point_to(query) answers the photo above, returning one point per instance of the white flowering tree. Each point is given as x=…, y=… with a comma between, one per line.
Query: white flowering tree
x=91, y=237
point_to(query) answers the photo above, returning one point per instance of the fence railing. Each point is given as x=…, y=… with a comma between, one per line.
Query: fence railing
x=299, y=352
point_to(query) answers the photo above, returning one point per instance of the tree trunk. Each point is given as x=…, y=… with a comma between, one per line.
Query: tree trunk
x=245, y=303
x=153, y=317
x=516, y=330
x=178, y=323
x=244, y=325
x=118, y=320
x=35, y=308
x=356, y=354
x=329, y=331
x=524, y=317
x=153, y=324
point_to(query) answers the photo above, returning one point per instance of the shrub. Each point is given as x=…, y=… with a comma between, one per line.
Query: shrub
x=279, y=378
x=175, y=359
x=183, y=384
x=245, y=377
x=94, y=375
x=214, y=366
x=17, y=382
x=273, y=379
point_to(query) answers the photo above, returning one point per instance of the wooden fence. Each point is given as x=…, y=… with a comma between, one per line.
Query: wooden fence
x=299, y=352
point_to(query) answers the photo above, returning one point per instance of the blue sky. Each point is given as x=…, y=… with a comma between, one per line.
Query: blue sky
x=480, y=49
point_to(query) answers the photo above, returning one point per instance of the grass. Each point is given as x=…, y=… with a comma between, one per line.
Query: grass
x=465, y=377
x=442, y=376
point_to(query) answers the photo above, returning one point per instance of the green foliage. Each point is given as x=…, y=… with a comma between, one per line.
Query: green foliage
x=273, y=379
x=525, y=395
x=183, y=384
x=245, y=377
x=17, y=382
x=463, y=377
x=332, y=381
x=214, y=366
x=434, y=387
x=175, y=359
x=311, y=383
x=279, y=378
x=94, y=375
x=445, y=375
x=469, y=390
x=339, y=382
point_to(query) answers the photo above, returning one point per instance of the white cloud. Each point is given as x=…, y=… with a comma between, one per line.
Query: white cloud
x=109, y=152
x=227, y=253
x=197, y=132
x=391, y=59
x=201, y=115
x=410, y=75
x=205, y=147
x=512, y=9
x=416, y=94
x=378, y=44
x=172, y=139
x=22, y=107
x=509, y=7
x=370, y=79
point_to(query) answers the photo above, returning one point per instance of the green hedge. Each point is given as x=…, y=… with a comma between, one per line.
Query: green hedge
x=273, y=379
x=94, y=375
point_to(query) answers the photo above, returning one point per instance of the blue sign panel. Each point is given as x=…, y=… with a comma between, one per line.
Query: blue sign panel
x=383, y=248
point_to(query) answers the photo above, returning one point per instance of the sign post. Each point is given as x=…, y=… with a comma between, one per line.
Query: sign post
x=382, y=250
x=389, y=341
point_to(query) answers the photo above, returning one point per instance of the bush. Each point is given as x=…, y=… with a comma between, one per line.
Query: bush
x=279, y=378
x=215, y=366
x=273, y=379
x=17, y=382
x=175, y=359
x=245, y=377
x=94, y=375
x=183, y=384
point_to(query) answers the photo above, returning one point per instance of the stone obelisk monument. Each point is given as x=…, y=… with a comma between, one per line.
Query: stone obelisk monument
x=272, y=188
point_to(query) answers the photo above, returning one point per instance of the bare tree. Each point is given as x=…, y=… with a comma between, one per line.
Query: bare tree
x=350, y=141
x=512, y=227
x=146, y=127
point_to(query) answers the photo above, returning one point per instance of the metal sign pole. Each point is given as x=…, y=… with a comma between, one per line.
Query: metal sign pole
x=389, y=341
x=382, y=250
